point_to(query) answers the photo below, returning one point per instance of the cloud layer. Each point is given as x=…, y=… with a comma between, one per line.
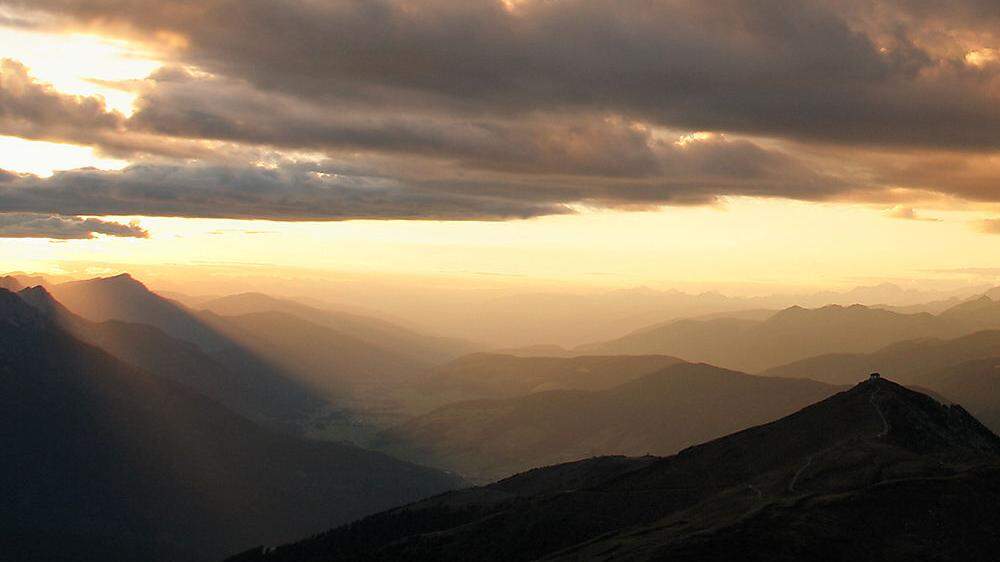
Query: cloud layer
x=27, y=225
x=494, y=110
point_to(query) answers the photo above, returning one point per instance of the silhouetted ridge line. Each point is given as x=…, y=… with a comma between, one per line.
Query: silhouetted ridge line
x=778, y=491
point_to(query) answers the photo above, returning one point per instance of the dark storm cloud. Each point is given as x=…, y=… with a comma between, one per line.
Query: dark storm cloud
x=29, y=225
x=179, y=105
x=290, y=193
x=177, y=110
x=809, y=70
x=486, y=168
x=393, y=188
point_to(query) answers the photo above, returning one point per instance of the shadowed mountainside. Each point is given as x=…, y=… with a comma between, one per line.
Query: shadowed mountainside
x=231, y=375
x=105, y=462
x=658, y=413
x=877, y=472
x=974, y=384
x=273, y=366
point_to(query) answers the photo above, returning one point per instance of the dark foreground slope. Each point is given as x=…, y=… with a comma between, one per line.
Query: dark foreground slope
x=104, y=462
x=659, y=413
x=877, y=472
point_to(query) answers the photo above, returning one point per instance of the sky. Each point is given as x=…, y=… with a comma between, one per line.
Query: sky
x=583, y=143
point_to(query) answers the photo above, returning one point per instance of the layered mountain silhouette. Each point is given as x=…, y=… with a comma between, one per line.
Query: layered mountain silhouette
x=230, y=373
x=965, y=369
x=877, y=472
x=126, y=299
x=327, y=360
x=498, y=375
x=10, y=283
x=400, y=340
x=658, y=413
x=909, y=361
x=975, y=384
x=277, y=361
x=103, y=461
x=571, y=319
x=359, y=382
x=798, y=333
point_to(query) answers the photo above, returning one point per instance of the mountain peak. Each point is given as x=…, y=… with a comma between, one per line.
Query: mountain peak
x=980, y=303
x=121, y=284
x=902, y=418
x=16, y=313
x=10, y=283
x=43, y=301
x=122, y=279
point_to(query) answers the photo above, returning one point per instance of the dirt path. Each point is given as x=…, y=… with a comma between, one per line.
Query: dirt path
x=878, y=410
x=791, y=485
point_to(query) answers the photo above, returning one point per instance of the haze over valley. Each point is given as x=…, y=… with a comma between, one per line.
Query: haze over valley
x=261, y=392
x=511, y=280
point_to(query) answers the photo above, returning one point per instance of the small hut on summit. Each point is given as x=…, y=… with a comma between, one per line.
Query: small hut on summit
x=874, y=377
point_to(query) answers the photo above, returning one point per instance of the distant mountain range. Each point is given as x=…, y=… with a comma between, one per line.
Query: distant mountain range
x=104, y=461
x=877, y=472
x=10, y=283
x=390, y=337
x=514, y=321
x=569, y=320
x=797, y=333
x=656, y=413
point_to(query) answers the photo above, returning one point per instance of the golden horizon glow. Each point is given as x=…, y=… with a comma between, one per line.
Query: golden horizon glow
x=744, y=240
x=43, y=158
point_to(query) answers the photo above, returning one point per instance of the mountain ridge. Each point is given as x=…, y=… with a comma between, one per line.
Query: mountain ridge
x=797, y=333
x=874, y=440
x=655, y=413
x=104, y=461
